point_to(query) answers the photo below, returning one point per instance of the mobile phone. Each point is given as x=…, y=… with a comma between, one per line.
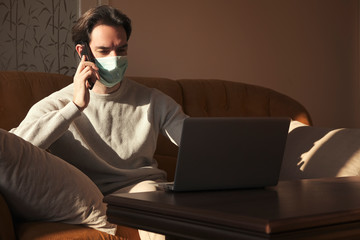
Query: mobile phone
x=89, y=57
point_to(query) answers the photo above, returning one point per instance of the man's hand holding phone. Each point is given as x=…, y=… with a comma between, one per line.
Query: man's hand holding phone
x=86, y=72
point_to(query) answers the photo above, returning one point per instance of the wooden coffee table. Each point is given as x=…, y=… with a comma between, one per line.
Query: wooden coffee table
x=302, y=209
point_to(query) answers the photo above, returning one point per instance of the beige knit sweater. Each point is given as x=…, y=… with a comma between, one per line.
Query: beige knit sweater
x=113, y=140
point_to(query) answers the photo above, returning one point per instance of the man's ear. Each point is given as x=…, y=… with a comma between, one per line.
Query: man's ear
x=79, y=49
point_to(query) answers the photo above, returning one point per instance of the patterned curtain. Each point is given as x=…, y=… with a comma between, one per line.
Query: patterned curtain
x=35, y=35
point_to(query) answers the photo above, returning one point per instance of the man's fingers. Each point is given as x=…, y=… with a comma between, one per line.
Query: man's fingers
x=83, y=64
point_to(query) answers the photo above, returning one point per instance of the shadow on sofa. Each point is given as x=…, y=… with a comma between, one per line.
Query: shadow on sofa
x=315, y=152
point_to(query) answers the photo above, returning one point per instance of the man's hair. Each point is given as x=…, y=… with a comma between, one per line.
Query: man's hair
x=103, y=14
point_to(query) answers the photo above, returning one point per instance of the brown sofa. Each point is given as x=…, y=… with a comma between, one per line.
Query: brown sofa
x=208, y=98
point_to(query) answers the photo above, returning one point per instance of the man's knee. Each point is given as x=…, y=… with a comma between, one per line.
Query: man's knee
x=144, y=186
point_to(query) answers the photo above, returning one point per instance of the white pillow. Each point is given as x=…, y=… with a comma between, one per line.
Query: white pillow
x=313, y=152
x=41, y=187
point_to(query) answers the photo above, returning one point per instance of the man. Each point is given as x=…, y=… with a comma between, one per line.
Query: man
x=109, y=132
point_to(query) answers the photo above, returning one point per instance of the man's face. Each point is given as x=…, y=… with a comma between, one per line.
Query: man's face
x=108, y=41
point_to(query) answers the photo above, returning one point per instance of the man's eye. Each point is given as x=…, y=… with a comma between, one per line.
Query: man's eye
x=104, y=52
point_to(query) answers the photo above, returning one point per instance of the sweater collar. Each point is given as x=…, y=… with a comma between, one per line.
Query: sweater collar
x=113, y=95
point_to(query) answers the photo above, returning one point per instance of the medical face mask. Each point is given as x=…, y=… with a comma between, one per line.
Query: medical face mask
x=111, y=69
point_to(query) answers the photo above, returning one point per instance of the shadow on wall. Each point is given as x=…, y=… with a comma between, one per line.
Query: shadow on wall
x=320, y=152
x=35, y=35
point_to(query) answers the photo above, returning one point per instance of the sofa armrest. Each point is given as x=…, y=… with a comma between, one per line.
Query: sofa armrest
x=6, y=221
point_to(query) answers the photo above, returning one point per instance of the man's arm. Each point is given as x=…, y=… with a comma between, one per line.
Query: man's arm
x=47, y=120
x=51, y=117
x=171, y=117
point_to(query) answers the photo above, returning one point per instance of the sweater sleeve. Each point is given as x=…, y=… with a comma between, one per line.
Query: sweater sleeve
x=171, y=117
x=46, y=121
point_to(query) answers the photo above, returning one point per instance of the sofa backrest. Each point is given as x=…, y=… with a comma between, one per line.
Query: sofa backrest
x=20, y=90
x=219, y=98
x=199, y=98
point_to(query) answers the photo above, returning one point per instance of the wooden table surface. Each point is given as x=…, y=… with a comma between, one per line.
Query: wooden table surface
x=326, y=208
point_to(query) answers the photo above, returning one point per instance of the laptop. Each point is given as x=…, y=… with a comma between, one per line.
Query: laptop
x=229, y=153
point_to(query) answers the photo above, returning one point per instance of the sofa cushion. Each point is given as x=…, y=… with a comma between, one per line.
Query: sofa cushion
x=314, y=152
x=39, y=186
x=59, y=231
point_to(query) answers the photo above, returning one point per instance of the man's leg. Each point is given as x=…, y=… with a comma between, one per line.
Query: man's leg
x=145, y=186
